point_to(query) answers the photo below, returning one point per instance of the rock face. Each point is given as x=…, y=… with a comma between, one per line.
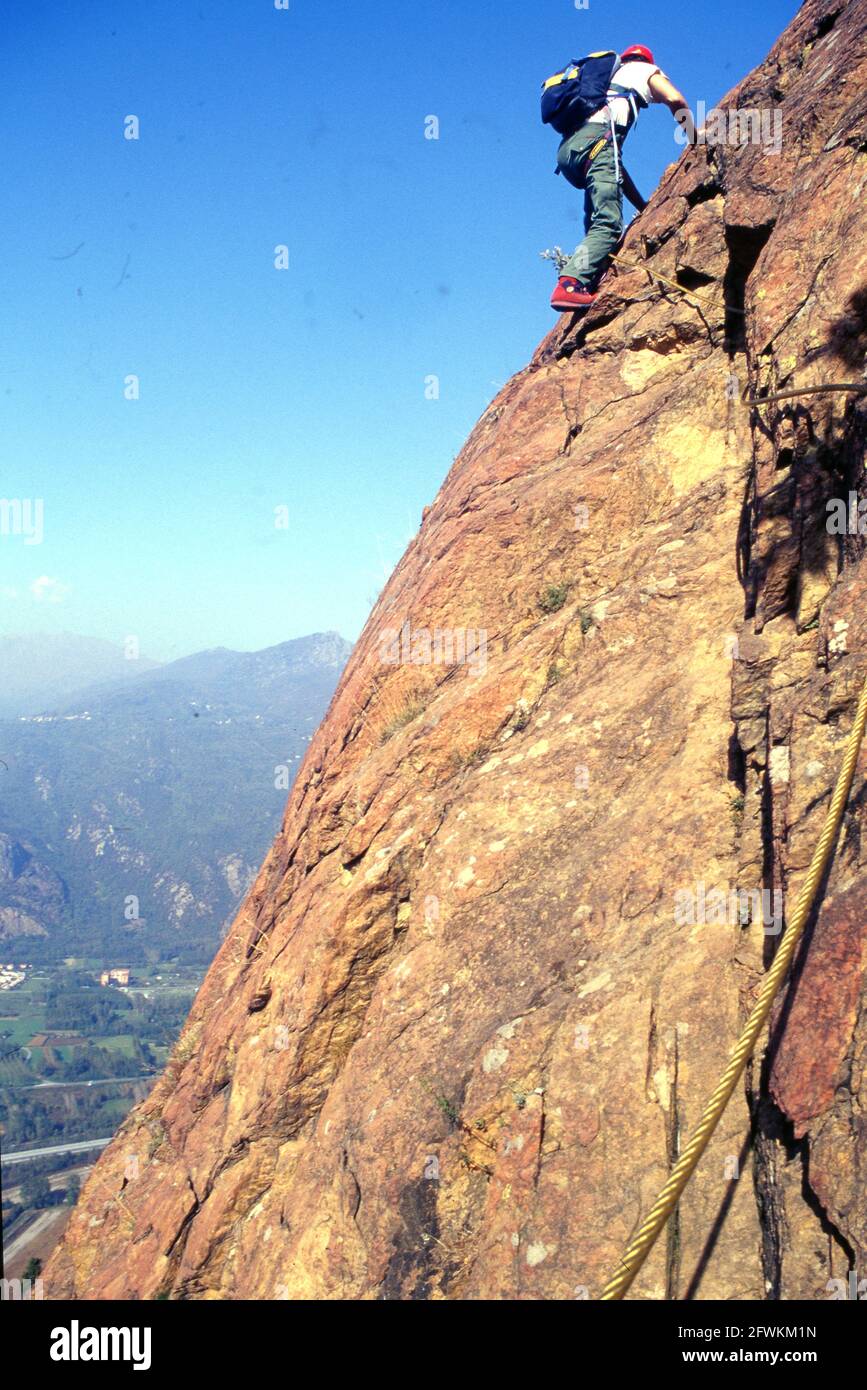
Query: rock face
x=496, y=958
x=31, y=894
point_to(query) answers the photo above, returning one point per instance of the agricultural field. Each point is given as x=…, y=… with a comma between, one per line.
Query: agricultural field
x=75, y=1056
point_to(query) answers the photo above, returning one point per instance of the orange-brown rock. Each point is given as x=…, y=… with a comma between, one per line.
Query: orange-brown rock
x=495, y=960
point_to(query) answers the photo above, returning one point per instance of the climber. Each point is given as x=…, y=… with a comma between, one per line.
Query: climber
x=593, y=104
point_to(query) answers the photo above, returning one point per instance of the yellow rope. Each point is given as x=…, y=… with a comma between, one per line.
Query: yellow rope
x=859, y=387
x=708, y=303
x=682, y=1171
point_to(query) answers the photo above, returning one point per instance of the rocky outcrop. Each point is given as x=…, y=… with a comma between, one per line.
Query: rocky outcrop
x=496, y=958
x=33, y=899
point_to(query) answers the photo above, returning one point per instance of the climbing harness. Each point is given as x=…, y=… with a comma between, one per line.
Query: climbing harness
x=578, y=177
x=616, y=148
x=682, y=1171
x=632, y=101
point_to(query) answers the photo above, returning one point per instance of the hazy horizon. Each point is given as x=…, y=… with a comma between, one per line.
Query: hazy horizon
x=194, y=650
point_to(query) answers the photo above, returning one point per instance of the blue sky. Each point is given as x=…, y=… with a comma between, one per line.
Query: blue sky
x=261, y=388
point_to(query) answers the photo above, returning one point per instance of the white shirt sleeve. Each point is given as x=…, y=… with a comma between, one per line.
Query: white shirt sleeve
x=649, y=94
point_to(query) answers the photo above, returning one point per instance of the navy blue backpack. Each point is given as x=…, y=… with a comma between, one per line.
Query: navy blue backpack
x=573, y=95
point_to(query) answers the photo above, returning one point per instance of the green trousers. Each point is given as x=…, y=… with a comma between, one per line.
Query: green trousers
x=603, y=203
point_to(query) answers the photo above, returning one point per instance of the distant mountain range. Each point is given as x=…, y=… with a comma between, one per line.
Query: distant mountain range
x=42, y=670
x=136, y=813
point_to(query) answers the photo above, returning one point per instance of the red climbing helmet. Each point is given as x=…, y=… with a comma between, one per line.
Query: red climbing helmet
x=638, y=54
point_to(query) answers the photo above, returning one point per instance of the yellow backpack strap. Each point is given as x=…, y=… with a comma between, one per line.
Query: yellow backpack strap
x=558, y=78
x=565, y=76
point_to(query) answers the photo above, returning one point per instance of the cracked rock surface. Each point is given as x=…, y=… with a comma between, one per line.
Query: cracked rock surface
x=466, y=1016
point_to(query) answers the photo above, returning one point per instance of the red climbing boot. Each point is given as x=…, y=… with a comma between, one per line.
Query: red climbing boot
x=570, y=294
